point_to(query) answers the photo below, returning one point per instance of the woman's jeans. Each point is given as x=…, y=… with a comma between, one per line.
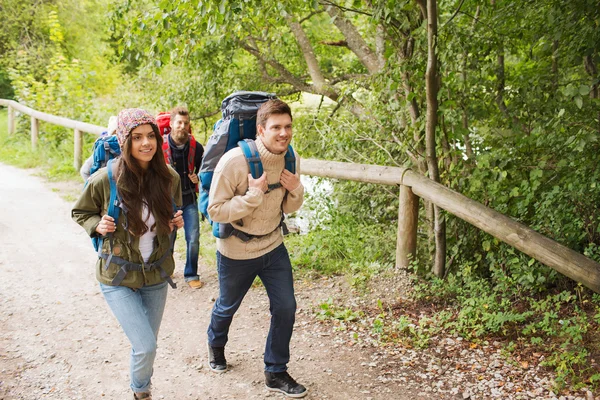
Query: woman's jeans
x=235, y=279
x=139, y=312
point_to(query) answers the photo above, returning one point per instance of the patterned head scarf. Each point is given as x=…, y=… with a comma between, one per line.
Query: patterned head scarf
x=129, y=119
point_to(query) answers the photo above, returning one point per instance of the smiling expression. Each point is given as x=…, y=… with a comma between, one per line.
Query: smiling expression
x=276, y=135
x=143, y=144
x=180, y=129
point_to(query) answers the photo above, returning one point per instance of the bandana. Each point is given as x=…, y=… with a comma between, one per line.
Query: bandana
x=129, y=119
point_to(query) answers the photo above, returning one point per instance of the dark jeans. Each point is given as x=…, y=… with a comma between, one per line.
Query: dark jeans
x=191, y=227
x=235, y=278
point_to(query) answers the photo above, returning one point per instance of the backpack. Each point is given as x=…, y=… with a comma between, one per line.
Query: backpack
x=191, y=161
x=114, y=210
x=105, y=148
x=163, y=121
x=237, y=127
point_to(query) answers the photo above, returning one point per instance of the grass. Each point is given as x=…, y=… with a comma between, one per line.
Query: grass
x=54, y=153
x=208, y=245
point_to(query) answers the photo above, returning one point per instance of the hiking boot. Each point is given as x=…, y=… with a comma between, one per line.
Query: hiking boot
x=142, y=396
x=284, y=383
x=196, y=284
x=216, y=359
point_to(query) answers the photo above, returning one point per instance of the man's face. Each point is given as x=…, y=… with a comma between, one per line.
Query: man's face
x=277, y=133
x=180, y=128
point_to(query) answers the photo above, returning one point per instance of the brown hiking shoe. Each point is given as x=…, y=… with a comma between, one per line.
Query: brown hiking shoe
x=197, y=284
x=142, y=396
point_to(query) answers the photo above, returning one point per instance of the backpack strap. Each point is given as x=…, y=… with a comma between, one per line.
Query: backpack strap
x=290, y=159
x=114, y=208
x=167, y=150
x=252, y=155
x=192, y=158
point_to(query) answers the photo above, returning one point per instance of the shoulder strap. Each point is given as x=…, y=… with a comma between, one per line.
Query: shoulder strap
x=290, y=160
x=192, y=159
x=167, y=150
x=192, y=154
x=113, y=204
x=252, y=157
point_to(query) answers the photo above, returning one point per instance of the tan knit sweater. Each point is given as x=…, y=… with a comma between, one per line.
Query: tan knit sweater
x=250, y=210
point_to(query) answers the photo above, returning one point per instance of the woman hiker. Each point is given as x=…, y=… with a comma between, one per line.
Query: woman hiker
x=135, y=257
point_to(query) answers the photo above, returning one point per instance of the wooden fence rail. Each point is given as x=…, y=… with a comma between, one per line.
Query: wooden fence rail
x=411, y=186
x=36, y=116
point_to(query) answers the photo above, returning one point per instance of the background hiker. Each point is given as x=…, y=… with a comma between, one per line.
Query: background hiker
x=135, y=258
x=184, y=154
x=87, y=168
x=249, y=205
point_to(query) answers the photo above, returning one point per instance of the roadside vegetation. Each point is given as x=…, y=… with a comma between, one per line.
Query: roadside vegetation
x=518, y=130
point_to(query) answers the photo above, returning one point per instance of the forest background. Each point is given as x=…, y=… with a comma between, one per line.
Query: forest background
x=496, y=99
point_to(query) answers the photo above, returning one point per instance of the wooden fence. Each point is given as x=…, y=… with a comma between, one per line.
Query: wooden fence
x=411, y=186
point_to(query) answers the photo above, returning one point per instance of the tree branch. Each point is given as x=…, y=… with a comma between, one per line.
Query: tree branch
x=453, y=15
x=286, y=75
x=309, y=16
x=356, y=43
x=314, y=69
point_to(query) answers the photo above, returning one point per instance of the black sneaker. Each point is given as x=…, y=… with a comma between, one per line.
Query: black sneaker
x=216, y=359
x=284, y=383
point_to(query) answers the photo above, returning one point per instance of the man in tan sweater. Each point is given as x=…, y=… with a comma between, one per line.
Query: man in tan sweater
x=249, y=205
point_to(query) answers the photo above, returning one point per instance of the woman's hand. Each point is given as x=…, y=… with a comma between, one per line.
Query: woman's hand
x=106, y=225
x=177, y=221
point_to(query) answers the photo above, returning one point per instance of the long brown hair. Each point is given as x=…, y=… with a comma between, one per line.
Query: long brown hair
x=151, y=186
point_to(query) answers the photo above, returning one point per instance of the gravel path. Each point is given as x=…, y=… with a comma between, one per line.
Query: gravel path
x=58, y=339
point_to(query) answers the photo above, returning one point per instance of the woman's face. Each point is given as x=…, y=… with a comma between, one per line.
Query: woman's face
x=143, y=144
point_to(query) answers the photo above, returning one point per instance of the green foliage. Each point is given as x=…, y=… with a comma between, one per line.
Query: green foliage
x=343, y=243
x=54, y=158
x=558, y=324
x=6, y=89
x=328, y=310
x=518, y=127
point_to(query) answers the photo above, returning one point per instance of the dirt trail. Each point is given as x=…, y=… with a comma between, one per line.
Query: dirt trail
x=58, y=339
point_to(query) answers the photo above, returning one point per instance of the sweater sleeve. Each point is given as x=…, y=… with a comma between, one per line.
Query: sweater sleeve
x=87, y=211
x=225, y=204
x=294, y=199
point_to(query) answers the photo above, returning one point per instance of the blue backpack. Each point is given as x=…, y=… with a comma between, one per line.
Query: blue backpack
x=105, y=148
x=114, y=209
x=236, y=128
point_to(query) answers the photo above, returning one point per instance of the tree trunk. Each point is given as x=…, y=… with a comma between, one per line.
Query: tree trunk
x=554, y=67
x=500, y=90
x=431, y=83
x=464, y=106
x=592, y=70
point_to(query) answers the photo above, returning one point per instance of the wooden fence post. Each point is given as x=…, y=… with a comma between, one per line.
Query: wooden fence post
x=77, y=148
x=408, y=217
x=35, y=130
x=11, y=120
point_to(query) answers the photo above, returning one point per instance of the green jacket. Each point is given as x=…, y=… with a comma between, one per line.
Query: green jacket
x=88, y=211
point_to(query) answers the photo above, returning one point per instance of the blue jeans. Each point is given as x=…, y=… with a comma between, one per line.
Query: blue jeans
x=235, y=279
x=191, y=227
x=139, y=313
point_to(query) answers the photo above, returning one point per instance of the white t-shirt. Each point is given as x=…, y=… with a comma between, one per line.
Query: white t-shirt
x=147, y=239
